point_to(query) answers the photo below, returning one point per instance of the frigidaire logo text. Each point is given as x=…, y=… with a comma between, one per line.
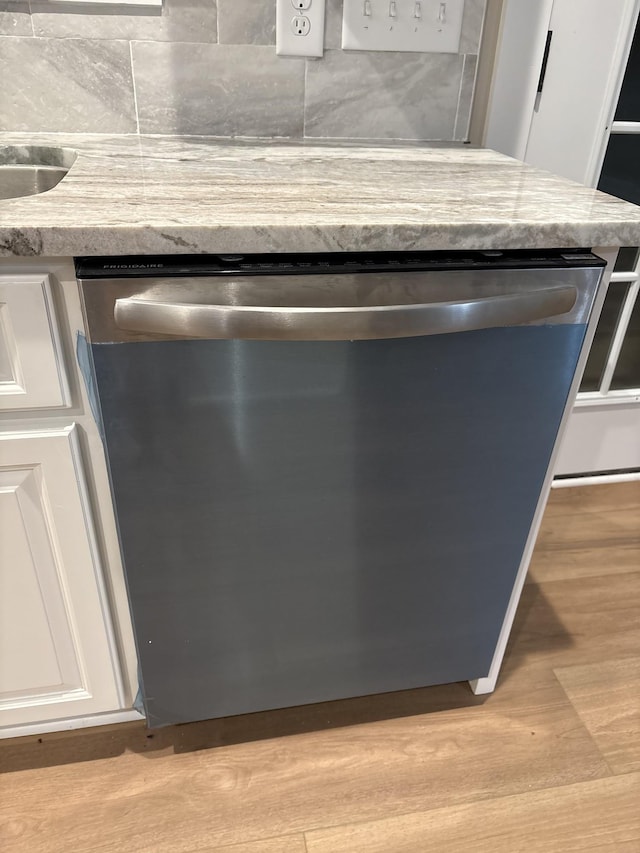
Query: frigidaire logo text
x=132, y=266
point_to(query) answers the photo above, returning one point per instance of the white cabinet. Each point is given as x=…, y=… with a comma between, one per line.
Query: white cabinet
x=66, y=649
x=32, y=372
x=57, y=656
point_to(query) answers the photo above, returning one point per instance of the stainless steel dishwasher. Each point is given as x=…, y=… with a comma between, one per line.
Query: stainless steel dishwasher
x=325, y=467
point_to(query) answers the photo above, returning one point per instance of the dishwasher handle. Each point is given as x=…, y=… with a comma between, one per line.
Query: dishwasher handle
x=292, y=323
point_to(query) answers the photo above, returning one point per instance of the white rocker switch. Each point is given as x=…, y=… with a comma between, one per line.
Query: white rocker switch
x=420, y=26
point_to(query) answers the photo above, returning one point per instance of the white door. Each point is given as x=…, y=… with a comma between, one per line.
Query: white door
x=567, y=128
x=57, y=655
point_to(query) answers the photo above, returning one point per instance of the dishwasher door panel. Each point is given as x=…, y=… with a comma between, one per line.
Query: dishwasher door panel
x=306, y=521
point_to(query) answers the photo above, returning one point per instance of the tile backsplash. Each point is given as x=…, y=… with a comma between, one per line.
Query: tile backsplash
x=207, y=67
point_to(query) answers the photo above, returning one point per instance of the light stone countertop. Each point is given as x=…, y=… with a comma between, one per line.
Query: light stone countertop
x=161, y=195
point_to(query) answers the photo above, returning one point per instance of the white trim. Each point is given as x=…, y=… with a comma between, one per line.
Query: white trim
x=624, y=277
x=41, y=700
x=488, y=683
x=512, y=97
x=455, y=121
x=71, y=723
x=619, y=60
x=618, y=338
x=54, y=330
x=601, y=439
x=596, y=480
x=98, y=571
x=625, y=127
x=134, y=87
x=43, y=432
x=594, y=399
x=90, y=3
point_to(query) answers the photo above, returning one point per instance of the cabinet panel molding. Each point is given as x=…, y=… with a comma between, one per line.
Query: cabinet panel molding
x=32, y=369
x=58, y=656
x=38, y=654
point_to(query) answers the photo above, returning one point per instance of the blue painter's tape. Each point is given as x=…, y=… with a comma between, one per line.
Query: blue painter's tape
x=83, y=355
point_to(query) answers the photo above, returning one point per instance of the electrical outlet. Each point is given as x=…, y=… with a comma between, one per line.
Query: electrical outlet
x=432, y=26
x=299, y=27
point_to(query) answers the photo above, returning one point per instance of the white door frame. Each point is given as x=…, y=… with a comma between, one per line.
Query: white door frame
x=512, y=99
x=512, y=96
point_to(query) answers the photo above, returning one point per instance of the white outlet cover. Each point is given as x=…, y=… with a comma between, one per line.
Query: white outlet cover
x=288, y=42
x=420, y=26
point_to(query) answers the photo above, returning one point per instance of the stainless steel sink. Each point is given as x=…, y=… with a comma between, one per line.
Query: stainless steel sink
x=17, y=181
x=30, y=170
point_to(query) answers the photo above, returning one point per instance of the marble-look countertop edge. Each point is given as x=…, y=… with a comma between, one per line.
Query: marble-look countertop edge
x=121, y=240
x=137, y=195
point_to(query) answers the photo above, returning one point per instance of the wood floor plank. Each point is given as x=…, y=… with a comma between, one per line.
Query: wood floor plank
x=595, y=499
x=607, y=698
x=289, y=844
x=586, y=531
x=573, y=563
x=572, y=622
x=175, y=803
x=594, y=816
x=539, y=690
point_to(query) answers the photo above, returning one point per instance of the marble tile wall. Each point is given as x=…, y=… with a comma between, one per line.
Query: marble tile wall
x=209, y=67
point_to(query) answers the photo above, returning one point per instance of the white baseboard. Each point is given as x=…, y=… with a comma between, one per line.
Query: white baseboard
x=596, y=479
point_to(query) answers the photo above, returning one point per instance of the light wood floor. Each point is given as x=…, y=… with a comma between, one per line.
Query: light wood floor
x=549, y=763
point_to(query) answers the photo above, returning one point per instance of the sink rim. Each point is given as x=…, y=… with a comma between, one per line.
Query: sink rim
x=32, y=170
x=37, y=155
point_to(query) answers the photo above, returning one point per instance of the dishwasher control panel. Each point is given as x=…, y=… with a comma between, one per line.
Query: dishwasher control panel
x=326, y=263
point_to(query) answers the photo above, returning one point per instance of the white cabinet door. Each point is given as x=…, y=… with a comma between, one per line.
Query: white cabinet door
x=57, y=655
x=32, y=374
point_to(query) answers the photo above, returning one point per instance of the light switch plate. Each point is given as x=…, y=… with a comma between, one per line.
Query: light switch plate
x=299, y=27
x=421, y=26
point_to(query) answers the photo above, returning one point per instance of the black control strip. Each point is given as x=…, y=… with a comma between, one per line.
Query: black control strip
x=170, y=266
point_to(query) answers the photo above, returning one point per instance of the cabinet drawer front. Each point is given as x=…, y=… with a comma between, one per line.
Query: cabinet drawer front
x=32, y=372
x=57, y=652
